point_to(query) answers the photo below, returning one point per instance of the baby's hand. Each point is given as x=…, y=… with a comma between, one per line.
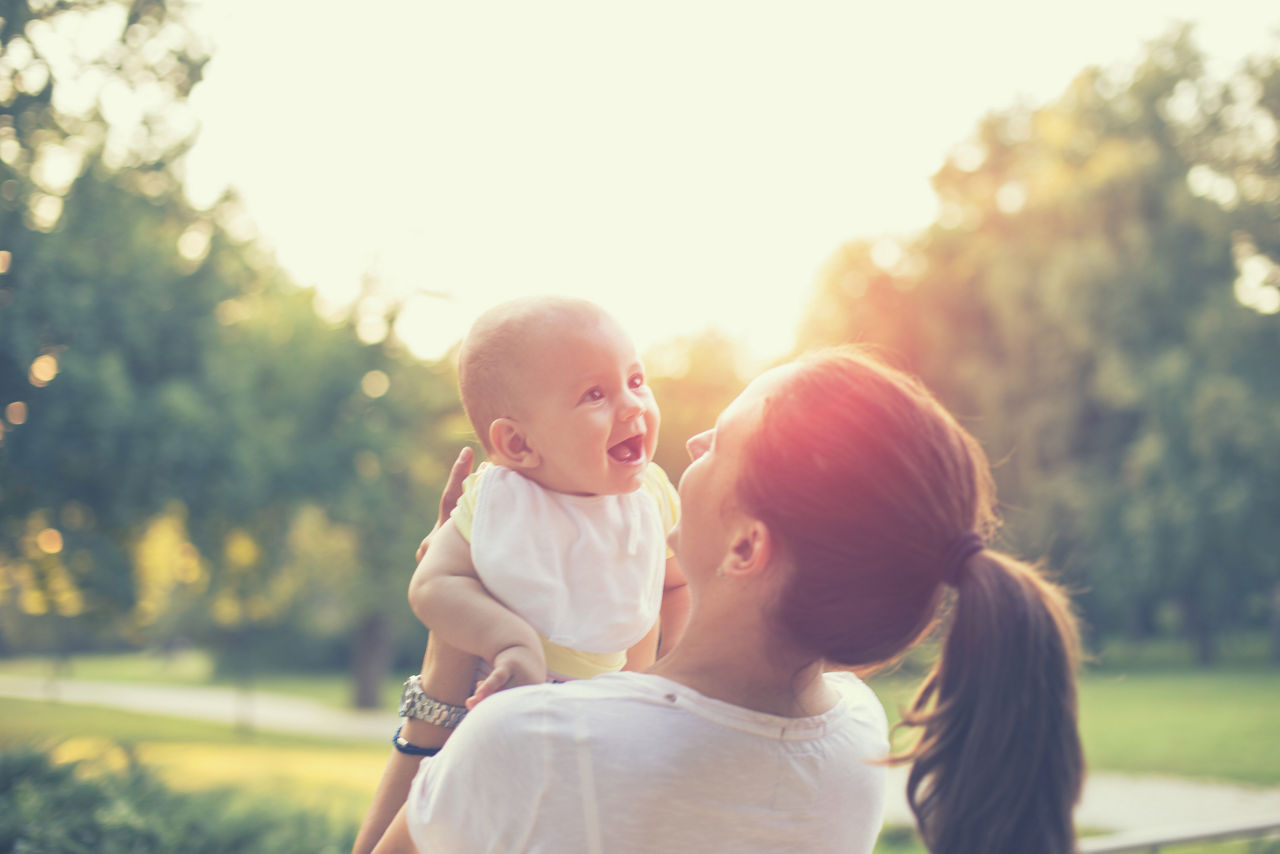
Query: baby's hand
x=512, y=667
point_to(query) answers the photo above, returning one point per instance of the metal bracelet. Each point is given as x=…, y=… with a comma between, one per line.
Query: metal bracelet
x=417, y=705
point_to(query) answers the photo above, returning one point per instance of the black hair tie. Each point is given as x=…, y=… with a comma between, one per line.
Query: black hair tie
x=957, y=555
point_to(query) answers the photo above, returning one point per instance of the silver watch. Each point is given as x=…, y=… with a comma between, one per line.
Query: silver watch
x=417, y=705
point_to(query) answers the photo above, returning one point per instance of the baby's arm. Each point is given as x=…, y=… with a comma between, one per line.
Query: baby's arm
x=675, y=607
x=645, y=652
x=669, y=627
x=447, y=596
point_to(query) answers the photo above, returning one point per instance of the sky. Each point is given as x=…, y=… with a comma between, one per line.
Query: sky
x=687, y=165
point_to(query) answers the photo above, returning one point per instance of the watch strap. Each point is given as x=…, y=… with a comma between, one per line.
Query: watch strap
x=412, y=749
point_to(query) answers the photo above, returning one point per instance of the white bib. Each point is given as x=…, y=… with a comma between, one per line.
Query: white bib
x=585, y=571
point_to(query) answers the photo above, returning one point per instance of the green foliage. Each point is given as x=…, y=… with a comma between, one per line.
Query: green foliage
x=187, y=448
x=693, y=379
x=899, y=839
x=1097, y=301
x=67, y=808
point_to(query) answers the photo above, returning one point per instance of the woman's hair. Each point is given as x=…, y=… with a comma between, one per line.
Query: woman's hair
x=870, y=486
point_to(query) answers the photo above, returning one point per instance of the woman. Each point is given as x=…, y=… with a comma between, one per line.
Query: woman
x=825, y=517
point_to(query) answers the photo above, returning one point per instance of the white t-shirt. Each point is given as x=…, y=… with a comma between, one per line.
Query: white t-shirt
x=631, y=763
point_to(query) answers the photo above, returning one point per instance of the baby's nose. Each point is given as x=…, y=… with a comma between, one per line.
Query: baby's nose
x=632, y=407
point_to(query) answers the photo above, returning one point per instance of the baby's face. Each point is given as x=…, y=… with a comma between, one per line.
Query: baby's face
x=587, y=409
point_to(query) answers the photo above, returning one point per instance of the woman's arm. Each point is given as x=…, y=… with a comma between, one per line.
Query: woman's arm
x=396, y=840
x=448, y=675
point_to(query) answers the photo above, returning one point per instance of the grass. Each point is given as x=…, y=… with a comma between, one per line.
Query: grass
x=1144, y=709
x=188, y=667
x=337, y=777
x=1147, y=709
x=333, y=776
x=1215, y=725
x=1210, y=725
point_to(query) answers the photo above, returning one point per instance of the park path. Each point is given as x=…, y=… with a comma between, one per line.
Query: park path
x=1113, y=802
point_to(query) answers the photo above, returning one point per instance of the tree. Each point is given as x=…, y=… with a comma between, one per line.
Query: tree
x=1084, y=301
x=183, y=431
x=54, y=263
x=693, y=379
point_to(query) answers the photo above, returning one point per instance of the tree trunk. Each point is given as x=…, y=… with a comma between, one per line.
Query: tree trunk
x=1206, y=647
x=1275, y=623
x=1140, y=619
x=1199, y=629
x=371, y=660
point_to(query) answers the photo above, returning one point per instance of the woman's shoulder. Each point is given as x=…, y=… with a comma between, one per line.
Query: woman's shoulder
x=628, y=694
x=541, y=704
x=861, y=702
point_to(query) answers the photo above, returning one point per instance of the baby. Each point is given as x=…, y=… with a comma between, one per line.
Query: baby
x=554, y=563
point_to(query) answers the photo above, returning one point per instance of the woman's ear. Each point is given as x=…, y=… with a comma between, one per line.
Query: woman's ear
x=750, y=550
x=510, y=446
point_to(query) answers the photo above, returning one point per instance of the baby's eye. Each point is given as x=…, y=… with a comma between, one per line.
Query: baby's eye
x=593, y=394
x=636, y=381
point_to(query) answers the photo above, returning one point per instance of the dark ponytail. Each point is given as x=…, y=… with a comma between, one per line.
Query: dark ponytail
x=881, y=501
x=999, y=766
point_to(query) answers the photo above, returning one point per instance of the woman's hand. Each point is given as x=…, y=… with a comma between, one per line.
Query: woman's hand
x=448, y=498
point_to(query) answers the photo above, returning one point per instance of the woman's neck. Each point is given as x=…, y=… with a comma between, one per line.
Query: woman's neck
x=748, y=667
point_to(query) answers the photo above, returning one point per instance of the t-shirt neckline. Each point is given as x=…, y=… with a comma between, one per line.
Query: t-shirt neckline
x=763, y=723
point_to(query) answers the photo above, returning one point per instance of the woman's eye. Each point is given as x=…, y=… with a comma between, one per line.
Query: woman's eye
x=593, y=394
x=636, y=381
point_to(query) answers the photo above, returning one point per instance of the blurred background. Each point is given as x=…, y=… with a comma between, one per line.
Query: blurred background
x=239, y=242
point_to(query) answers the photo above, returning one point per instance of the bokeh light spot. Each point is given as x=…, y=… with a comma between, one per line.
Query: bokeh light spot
x=16, y=413
x=49, y=541
x=372, y=329
x=43, y=370
x=194, y=242
x=886, y=253
x=241, y=550
x=375, y=384
x=1011, y=197
x=45, y=211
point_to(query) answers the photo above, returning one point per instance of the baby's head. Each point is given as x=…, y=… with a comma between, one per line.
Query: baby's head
x=555, y=389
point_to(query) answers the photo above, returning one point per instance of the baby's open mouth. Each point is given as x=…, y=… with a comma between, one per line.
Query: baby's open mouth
x=628, y=450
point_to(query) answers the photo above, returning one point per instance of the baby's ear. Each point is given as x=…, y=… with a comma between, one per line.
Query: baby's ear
x=509, y=444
